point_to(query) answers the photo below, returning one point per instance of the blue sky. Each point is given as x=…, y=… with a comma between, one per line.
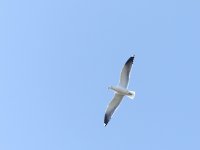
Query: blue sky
x=57, y=59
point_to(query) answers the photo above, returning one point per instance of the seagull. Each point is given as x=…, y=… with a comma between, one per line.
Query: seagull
x=120, y=90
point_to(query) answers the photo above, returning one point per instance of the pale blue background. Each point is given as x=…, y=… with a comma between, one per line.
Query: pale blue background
x=57, y=59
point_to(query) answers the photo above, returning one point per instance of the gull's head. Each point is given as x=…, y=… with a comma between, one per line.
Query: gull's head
x=110, y=87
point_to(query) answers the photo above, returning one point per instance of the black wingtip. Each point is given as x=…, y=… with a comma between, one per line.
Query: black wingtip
x=130, y=60
x=106, y=120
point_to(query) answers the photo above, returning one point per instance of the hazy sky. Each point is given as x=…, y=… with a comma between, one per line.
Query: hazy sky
x=57, y=59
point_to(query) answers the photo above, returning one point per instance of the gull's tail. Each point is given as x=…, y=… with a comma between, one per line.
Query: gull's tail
x=131, y=94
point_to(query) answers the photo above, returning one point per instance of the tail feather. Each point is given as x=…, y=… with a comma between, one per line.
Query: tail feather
x=131, y=94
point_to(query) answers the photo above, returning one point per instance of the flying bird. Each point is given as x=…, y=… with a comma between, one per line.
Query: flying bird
x=120, y=90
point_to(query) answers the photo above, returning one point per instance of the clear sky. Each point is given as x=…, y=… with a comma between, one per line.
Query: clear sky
x=57, y=59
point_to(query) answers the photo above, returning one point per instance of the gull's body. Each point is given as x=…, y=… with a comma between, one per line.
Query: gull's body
x=120, y=90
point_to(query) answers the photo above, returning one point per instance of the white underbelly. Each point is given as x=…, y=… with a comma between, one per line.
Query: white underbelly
x=121, y=90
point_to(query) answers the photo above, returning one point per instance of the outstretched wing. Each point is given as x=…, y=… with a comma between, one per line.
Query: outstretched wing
x=124, y=78
x=112, y=107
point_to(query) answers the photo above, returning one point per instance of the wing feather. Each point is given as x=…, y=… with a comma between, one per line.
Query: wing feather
x=125, y=73
x=112, y=107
